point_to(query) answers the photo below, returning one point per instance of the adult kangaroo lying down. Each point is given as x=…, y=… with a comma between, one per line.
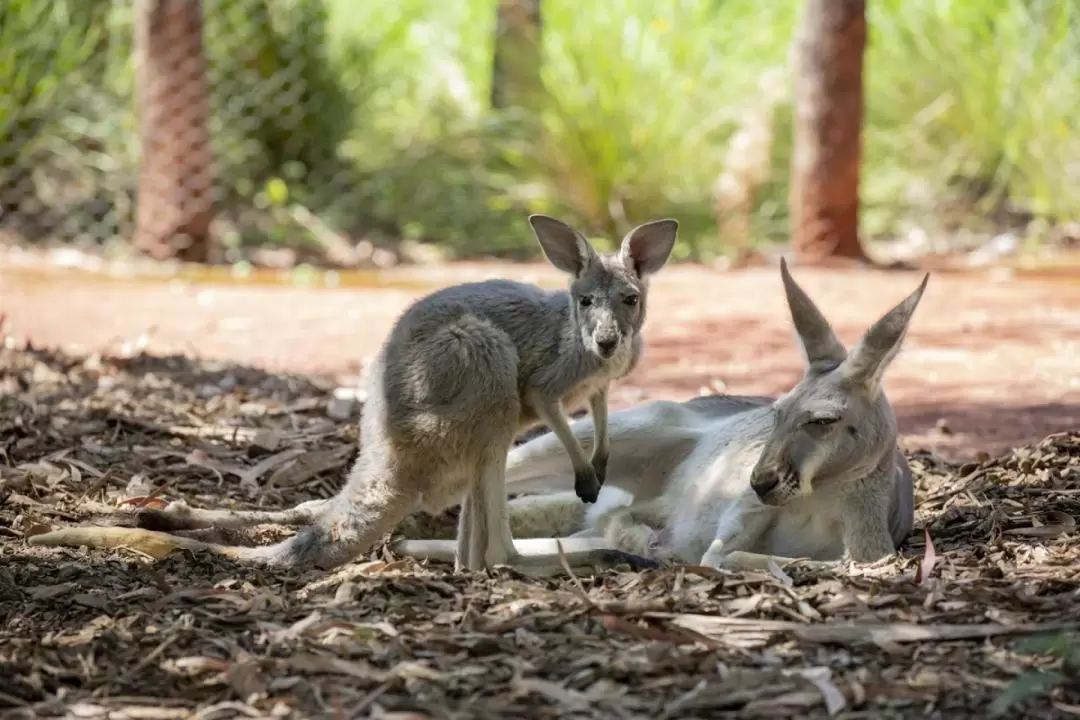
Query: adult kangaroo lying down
x=730, y=481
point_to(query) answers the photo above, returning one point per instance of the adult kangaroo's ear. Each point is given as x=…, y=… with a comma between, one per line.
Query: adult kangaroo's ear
x=870, y=358
x=563, y=246
x=820, y=346
x=646, y=248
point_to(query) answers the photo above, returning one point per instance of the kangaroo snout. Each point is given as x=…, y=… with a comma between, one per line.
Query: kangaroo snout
x=764, y=484
x=606, y=337
x=770, y=485
x=606, y=345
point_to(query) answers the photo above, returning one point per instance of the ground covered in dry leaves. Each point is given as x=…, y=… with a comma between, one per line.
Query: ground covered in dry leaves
x=86, y=634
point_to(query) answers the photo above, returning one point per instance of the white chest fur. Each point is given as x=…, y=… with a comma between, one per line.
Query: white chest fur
x=613, y=368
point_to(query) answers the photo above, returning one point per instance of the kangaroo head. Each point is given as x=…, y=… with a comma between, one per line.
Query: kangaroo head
x=607, y=290
x=836, y=422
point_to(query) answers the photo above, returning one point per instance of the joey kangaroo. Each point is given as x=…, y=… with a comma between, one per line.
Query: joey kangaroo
x=463, y=371
x=732, y=481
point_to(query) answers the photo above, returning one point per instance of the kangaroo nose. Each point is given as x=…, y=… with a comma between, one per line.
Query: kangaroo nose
x=763, y=485
x=607, y=345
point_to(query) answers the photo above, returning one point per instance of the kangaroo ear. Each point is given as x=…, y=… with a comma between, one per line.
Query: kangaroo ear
x=563, y=246
x=646, y=248
x=820, y=346
x=873, y=353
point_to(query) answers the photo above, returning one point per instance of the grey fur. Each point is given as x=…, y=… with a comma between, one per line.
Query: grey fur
x=739, y=481
x=463, y=371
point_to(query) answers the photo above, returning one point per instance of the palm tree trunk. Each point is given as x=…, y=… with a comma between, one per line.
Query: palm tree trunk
x=176, y=177
x=825, y=164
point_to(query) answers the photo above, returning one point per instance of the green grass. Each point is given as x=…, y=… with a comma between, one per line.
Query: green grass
x=972, y=95
x=376, y=116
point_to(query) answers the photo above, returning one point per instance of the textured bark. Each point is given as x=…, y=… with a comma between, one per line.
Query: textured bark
x=515, y=73
x=176, y=177
x=824, y=198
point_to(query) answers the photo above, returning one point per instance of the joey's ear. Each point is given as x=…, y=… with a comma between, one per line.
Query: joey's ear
x=873, y=353
x=646, y=248
x=563, y=246
x=820, y=346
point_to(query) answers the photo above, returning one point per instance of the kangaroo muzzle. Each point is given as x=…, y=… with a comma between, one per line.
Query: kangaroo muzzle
x=606, y=340
x=773, y=485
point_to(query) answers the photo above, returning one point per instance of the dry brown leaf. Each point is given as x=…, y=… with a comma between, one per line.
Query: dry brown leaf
x=20, y=499
x=310, y=662
x=307, y=466
x=296, y=630
x=266, y=439
x=94, y=601
x=1060, y=524
x=44, y=592
x=417, y=670
x=854, y=633
x=126, y=711
x=195, y=665
x=568, y=698
x=779, y=574
x=202, y=459
x=44, y=470
x=784, y=702
x=138, y=486
x=249, y=478
x=928, y=560
x=617, y=624
x=86, y=467
x=36, y=529
x=820, y=677
x=245, y=678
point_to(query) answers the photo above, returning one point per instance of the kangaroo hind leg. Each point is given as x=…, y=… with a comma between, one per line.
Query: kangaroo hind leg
x=178, y=515
x=371, y=504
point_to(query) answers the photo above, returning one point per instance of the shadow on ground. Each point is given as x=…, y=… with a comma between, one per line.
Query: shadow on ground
x=97, y=634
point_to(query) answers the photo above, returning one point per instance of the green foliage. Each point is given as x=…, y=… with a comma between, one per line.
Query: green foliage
x=280, y=105
x=375, y=117
x=43, y=47
x=643, y=97
x=974, y=104
x=52, y=58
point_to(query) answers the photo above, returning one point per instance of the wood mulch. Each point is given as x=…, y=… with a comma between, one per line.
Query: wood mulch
x=989, y=368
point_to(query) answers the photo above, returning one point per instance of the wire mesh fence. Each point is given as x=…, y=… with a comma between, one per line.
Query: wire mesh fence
x=204, y=129
x=335, y=130
x=171, y=124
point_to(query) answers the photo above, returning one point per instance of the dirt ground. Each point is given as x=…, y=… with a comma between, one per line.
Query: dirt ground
x=94, y=634
x=988, y=363
x=928, y=633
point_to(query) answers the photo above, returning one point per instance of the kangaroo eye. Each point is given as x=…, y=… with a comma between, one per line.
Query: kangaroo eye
x=585, y=301
x=824, y=421
x=631, y=300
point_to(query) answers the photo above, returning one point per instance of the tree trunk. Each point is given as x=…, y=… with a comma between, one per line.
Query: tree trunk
x=515, y=72
x=824, y=199
x=176, y=177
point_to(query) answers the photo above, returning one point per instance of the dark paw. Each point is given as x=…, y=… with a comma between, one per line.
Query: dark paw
x=151, y=519
x=636, y=562
x=587, y=485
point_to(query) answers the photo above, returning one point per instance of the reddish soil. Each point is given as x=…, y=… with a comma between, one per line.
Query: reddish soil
x=988, y=364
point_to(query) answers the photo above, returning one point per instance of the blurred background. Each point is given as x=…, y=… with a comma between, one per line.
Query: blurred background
x=290, y=174
x=340, y=133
